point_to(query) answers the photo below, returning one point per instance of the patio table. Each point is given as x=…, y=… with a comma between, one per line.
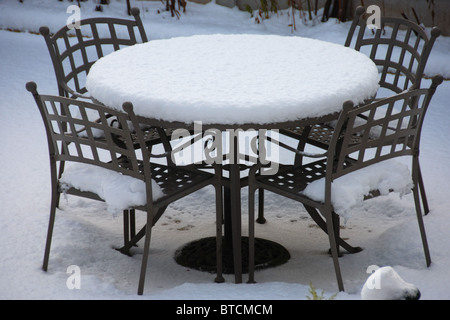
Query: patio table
x=231, y=82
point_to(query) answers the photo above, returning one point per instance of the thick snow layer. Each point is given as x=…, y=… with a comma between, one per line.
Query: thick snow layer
x=348, y=191
x=386, y=284
x=233, y=79
x=119, y=191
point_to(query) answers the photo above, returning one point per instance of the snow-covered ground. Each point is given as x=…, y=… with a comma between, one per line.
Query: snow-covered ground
x=86, y=232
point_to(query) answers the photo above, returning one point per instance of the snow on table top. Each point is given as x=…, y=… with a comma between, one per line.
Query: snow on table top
x=233, y=79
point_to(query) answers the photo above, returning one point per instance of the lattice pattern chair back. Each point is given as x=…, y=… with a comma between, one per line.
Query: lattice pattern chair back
x=402, y=50
x=394, y=132
x=108, y=141
x=74, y=51
x=79, y=142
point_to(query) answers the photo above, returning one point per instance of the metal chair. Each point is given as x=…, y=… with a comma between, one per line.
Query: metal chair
x=115, y=154
x=400, y=55
x=402, y=52
x=395, y=134
x=74, y=51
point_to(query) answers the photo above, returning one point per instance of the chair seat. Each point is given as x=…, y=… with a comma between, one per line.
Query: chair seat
x=294, y=179
x=121, y=192
x=319, y=135
x=107, y=158
x=351, y=172
x=347, y=191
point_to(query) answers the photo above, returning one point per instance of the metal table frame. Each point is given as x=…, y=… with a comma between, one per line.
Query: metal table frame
x=233, y=183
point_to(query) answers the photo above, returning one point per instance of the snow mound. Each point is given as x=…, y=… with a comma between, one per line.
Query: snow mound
x=349, y=191
x=120, y=192
x=386, y=284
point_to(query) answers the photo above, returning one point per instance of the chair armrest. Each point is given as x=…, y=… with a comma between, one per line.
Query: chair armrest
x=160, y=155
x=77, y=94
x=299, y=152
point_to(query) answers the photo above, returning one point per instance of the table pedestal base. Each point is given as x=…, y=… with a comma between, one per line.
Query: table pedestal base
x=201, y=255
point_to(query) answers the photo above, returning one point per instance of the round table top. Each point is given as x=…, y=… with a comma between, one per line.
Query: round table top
x=233, y=79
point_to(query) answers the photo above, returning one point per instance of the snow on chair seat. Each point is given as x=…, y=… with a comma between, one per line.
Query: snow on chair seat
x=349, y=172
x=116, y=169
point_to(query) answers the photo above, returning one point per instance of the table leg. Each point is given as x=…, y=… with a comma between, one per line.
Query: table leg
x=197, y=254
x=228, y=237
x=235, y=212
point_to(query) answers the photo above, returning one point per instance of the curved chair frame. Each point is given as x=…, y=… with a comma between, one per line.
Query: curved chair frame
x=399, y=136
x=404, y=55
x=73, y=59
x=71, y=136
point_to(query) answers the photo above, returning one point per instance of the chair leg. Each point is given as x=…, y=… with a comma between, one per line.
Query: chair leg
x=334, y=248
x=60, y=173
x=423, y=195
x=148, y=233
x=337, y=231
x=322, y=225
x=219, y=223
x=126, y=227
x=261, y=219
x=421, y=226
x=136, y=237
x=51, y=222
x=132, y=223
x=129, y=226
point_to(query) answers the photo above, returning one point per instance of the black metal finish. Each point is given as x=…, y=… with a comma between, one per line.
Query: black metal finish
x=233, y=184
x=399, y=130
x=414, y=49
x=74, y=51
x=65, y=47
x=403, y=55
x=201, y=255
x=72, y=136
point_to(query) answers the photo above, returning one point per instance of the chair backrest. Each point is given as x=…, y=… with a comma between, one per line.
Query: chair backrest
x=114, y=151
x=74, y=51
x=402, y=49
x=394, y=132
